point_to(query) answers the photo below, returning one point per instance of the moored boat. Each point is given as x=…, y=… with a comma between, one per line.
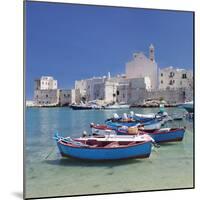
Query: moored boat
x=117, y=106
x=188, y=106
x=81, y=107
x=149, y=125
x=161, y=135
x=158, y=135
x=141, y=118
x=103, y=149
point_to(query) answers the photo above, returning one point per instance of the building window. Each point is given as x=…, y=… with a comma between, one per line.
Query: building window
x=68, y=95
x=171, y=74
x=46, y=95
x=170, y=82
x=161, y=81
x=161, y=74
x=184, y=76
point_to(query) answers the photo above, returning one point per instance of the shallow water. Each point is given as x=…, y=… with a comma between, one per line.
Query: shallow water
x=47, y=174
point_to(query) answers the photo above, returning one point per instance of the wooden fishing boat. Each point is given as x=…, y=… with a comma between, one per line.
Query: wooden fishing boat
x=158, y=135
x=103, y=149
x=161, y=135
x=149, y=125
x=141, y=118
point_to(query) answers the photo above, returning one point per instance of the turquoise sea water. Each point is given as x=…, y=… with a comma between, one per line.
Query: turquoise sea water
x=47, y=174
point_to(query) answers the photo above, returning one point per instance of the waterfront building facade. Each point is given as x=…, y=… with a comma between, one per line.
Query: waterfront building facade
x=46, y=93
x=142, y=66
x=46, y=83
x=113, y=89
x=175, y=78
x=133, y=90
x=46, y=97
x=99, y=88
x=67, y=96
x=142, y=80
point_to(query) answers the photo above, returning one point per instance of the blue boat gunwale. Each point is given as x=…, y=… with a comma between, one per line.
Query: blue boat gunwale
x=105, y=148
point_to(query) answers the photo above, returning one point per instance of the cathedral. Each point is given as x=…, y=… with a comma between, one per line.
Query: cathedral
x=142, y=66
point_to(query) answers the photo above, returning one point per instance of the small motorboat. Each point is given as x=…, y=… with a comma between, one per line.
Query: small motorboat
x=148, y=125
x=96, y=149
x=162, y=117
x=117, y=106
x=188, y=106
x=101, y=129
x=81, y=107
x=158, y=135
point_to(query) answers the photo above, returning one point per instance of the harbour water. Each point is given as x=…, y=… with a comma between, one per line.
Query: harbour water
x=47, y=174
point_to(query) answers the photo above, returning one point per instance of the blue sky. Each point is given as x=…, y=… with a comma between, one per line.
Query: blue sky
x=71, y=42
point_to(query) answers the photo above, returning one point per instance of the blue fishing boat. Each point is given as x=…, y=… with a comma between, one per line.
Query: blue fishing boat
x=161, y=135
x=103, y=150
x=149, y=125
x=141, y=118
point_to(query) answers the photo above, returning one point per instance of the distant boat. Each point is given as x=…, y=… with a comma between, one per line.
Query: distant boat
x=188, y=106
x=94, y=149
x=81, y=107
x=117, y=106
x=84, y=106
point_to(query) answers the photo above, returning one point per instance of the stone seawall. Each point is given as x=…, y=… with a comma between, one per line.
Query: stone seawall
x=170, y=96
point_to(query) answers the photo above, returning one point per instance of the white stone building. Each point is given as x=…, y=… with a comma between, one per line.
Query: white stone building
x=46, y=93
x=46, y=97
x=67, y=96
x=46, y=83
x=91, y=89
x=130, y=90
x=112, y=89
x=141, y=66
x=175, y=78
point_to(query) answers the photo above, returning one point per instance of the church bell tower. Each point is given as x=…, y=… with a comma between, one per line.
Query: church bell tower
x=151, y=53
